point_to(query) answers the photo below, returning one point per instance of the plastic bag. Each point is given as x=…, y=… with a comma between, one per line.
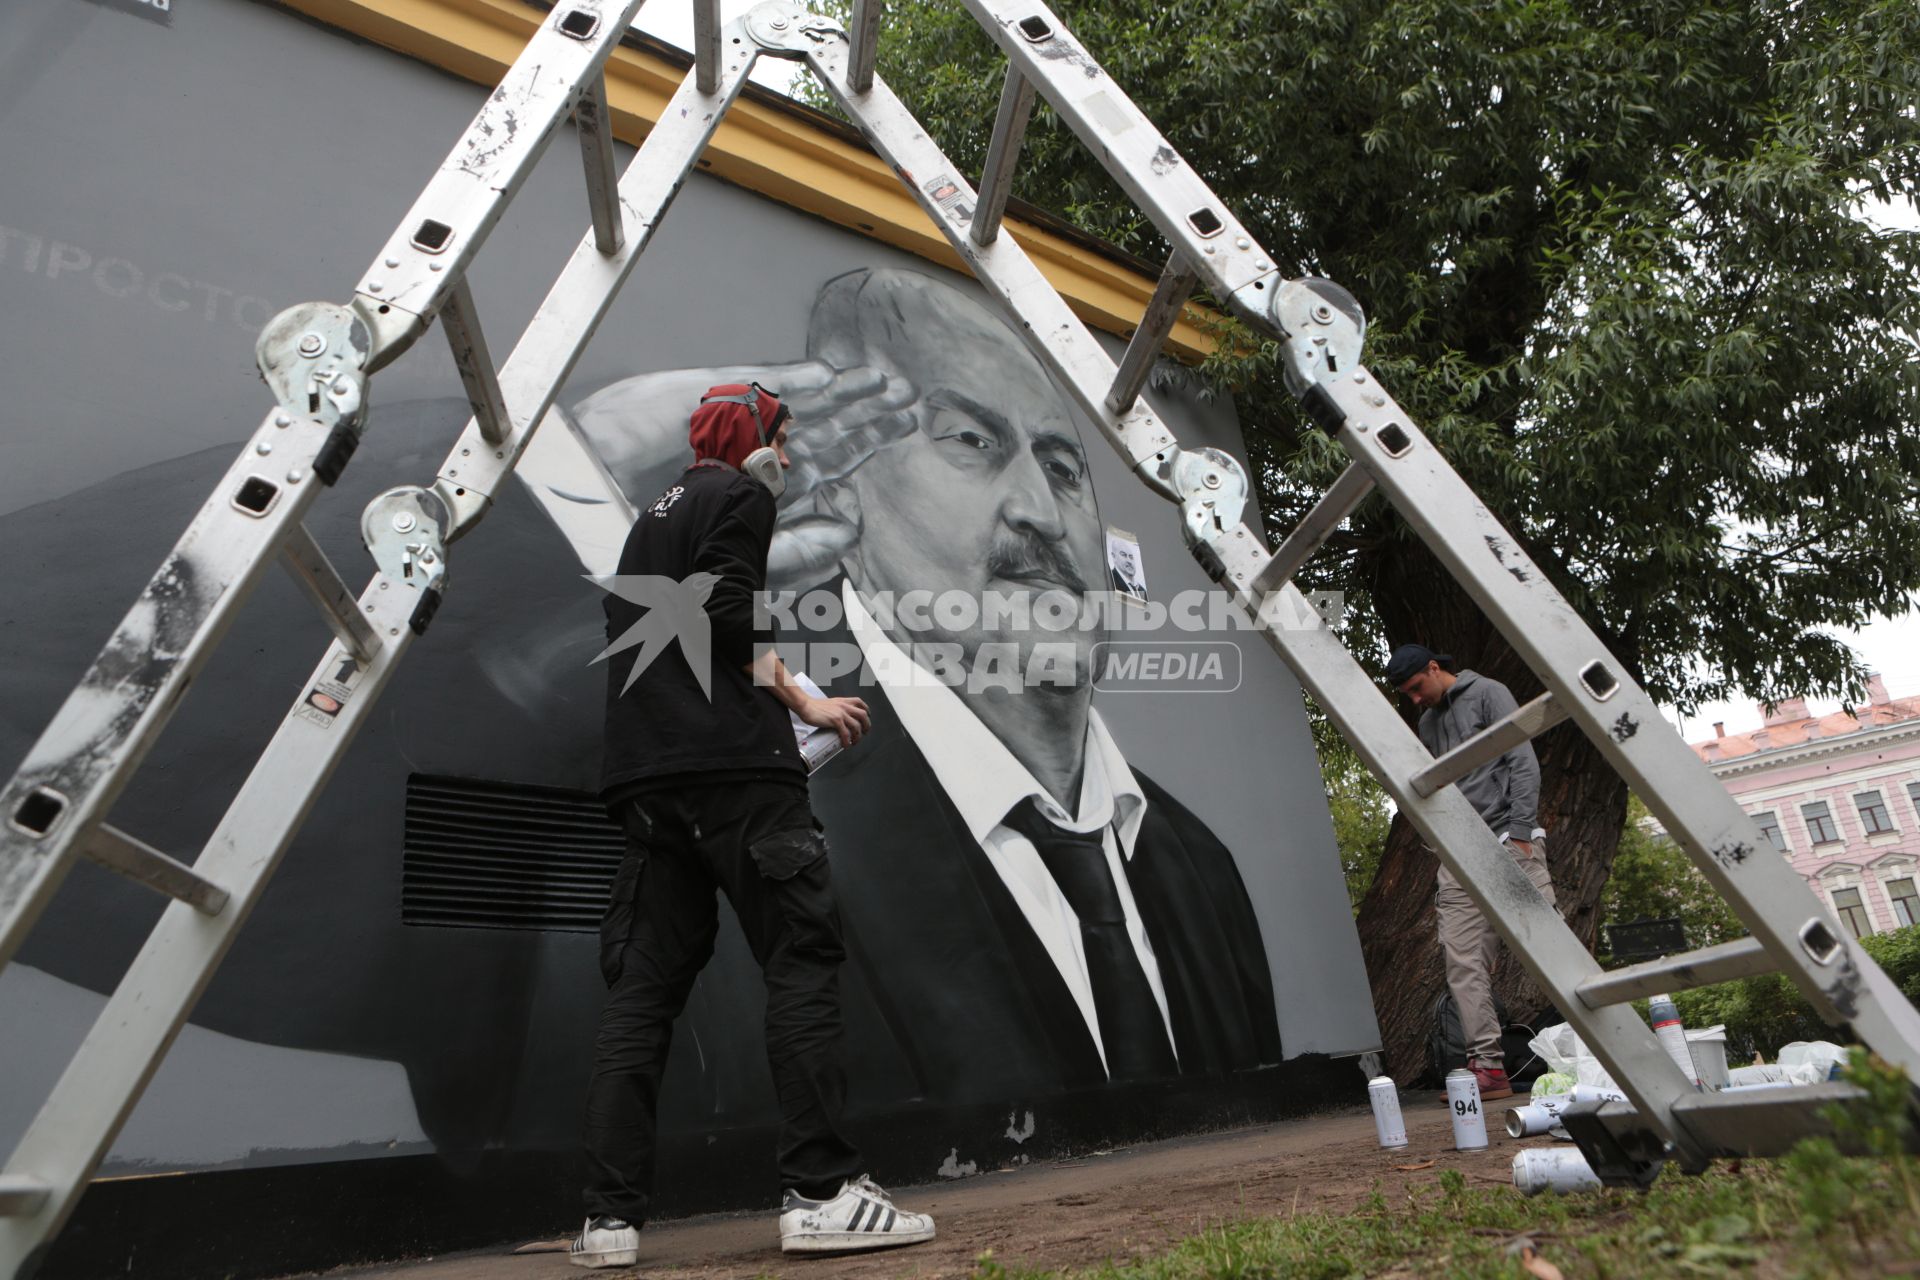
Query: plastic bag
x=1561, y=1048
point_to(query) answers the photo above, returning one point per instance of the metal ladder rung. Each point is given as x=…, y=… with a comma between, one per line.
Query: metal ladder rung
x=706, y=44
x=308, y=565
x=863, y=34
x=1335, y=505
x=1003, y=151
x=591, y=116
x=1163, y=312
x=1742, y=958
x=477, y=374
x=115, y=850
x=21, y=1196
x=1762, y=1122
x=1498, y=738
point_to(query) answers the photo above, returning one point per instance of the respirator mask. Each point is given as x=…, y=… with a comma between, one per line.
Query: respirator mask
x=763, y=464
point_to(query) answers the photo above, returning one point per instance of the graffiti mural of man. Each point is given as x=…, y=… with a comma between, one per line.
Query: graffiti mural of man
x=1008, y=880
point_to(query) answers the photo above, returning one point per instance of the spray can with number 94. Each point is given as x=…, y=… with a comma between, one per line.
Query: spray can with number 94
x=1463, y=1103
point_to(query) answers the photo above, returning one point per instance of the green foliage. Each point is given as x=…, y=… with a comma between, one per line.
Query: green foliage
x=1763, y=1013
x=1360, y=808
x=1611, y=261
x=1653, y=879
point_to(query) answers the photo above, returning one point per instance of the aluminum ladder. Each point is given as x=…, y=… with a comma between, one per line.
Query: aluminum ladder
x=317, y=359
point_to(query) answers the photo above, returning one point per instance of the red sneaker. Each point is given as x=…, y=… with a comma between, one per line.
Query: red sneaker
x=1493, y=1083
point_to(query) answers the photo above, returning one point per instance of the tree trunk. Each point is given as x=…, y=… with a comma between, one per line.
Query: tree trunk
x=1583, y=805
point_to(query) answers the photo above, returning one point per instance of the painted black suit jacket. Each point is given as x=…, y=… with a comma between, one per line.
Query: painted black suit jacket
x=950, y=995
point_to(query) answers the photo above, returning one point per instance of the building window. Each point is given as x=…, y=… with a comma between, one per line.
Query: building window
x=1820, y=828
x=1874, y=819
x=1770, y=828
x=1906, y=904
x=1853, y=913
x=1913, y=797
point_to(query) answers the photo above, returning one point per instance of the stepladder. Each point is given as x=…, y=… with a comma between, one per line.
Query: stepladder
x=319, y=358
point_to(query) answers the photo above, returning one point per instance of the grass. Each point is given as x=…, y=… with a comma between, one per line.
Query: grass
x=1812, y=1213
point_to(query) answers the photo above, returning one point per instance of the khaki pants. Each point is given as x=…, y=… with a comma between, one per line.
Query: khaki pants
x=1470, y=944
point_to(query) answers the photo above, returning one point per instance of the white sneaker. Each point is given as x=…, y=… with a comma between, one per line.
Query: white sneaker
x=605, y=1242
x=862, y=1216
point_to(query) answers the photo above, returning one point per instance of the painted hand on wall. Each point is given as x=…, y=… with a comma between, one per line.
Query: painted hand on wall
x=638, y=427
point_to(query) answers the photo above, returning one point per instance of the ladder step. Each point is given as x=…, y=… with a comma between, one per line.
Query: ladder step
x=411, y=280
x=21, y=1196
x=462, y=323
x=1352, y=487
x=1498, y=738
x=590, y=114
x=1003, y=152
x=1163, y=312
x=135, y=859
x=309, y=566
x=1762, y=1122
x=1743, y=958
x=864, y=34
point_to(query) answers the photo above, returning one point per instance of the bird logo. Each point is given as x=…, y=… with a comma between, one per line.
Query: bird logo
x=675, y=610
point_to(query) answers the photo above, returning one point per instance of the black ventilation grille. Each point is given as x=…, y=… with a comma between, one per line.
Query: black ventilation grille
x=503, y=855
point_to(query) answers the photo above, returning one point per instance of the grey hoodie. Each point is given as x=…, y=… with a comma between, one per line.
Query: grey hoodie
x=1506, y=791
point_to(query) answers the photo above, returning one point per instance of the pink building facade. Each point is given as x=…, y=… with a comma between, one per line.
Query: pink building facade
x=1839, y=797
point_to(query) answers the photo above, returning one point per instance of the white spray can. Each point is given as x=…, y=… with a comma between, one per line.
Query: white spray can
x=1387, y=1123
x=1672, y=1034
x=1553, y=1169
x=1463, y=1103
x=1542, y=1115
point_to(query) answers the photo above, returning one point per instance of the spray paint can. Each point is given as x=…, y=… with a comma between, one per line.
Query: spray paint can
x=1672, y=1034
x=1542, y=1115
x=1553, y=1169
x=1387, y=1123
x=1463, y=1103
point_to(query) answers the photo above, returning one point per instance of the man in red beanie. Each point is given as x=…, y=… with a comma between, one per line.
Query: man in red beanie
x=703, y=772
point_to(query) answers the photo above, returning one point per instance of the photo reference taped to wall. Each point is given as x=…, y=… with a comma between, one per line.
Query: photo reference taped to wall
x=1126, y=568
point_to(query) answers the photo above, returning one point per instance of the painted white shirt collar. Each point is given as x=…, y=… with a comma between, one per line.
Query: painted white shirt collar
x=957, y=745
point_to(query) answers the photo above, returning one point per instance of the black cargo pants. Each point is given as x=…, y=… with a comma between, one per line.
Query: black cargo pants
x=759, y=844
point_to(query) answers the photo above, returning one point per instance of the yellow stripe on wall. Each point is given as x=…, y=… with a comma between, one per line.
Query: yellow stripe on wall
x=768, y=151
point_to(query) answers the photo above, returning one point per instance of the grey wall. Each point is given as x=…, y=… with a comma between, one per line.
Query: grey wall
x=170, y=185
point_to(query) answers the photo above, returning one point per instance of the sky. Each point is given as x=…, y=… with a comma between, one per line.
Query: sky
x=1890, y=646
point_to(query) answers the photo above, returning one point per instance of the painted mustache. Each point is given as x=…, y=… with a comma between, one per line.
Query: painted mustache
x=1029, y=559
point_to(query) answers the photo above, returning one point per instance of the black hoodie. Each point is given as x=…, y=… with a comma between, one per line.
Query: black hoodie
x=664, y=730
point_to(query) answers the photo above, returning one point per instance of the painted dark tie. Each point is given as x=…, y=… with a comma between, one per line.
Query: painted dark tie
x=1131, y=1029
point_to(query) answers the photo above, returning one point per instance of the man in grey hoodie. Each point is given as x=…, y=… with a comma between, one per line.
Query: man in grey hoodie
x=1506, y=793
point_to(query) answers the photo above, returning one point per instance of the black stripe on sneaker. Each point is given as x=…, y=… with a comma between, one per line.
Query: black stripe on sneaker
x=858, y=1214
x=889, y=1222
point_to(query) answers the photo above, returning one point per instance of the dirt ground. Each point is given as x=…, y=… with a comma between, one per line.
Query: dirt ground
x=1076, y=1212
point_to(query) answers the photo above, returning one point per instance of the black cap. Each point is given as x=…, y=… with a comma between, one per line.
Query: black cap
x=1409, y=660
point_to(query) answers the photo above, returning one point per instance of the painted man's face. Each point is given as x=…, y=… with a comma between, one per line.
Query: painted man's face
x=990, y=496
